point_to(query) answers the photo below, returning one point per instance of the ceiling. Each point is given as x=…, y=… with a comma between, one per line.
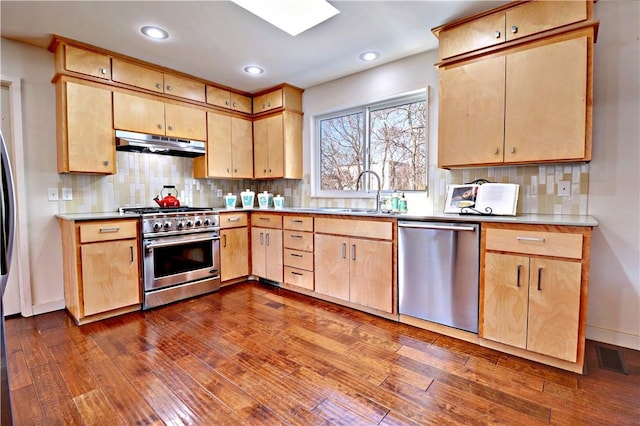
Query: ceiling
x=215, y=40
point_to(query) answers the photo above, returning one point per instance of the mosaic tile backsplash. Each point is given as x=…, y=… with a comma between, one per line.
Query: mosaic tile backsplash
x=140, y=177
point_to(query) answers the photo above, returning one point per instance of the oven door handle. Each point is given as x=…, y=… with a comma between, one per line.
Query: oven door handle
x=175, y=243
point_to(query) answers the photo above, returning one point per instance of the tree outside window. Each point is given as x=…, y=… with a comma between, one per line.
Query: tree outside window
x=394, y=146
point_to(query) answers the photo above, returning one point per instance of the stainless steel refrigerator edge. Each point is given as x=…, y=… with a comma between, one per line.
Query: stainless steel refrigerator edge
x=438, y=269
x=7, y=223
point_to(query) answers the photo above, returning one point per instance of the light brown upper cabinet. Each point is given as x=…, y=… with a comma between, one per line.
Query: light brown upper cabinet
x=230, y=100
x=84, y=62
x=229, y=148
x=157, y=81
x=523, y=103
x=287, y=97
x=85, y=136
x=144, y=114
x=277, y=146
x=506, y=24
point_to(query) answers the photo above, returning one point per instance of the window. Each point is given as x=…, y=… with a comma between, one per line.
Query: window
x=388, y=138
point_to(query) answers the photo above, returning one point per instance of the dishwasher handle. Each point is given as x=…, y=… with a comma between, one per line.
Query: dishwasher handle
x=438, y=227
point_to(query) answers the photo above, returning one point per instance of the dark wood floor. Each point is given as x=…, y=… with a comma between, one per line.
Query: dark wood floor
x=254, y=354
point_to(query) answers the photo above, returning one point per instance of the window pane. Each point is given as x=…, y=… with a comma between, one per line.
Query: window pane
x=398, y=146
x=341, y=151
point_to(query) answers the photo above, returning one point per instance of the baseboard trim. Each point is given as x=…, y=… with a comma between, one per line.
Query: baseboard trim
x=613, y=337
x=44, y=308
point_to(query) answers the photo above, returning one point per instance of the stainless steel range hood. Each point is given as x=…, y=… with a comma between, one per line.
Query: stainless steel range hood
x=152, y=144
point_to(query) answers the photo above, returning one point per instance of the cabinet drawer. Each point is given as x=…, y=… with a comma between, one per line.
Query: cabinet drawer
x=233, y=220
x=298, y=277
x=298, y=223
x=266, y=220
x=298, y=240
x=135, y=75
x=535, y=242
x=184, y=87
x=354, y=228
x=105, y=231
x=538, y=16
x=298, y=259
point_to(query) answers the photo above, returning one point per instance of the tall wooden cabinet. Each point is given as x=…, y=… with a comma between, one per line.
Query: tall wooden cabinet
x=277, y=146
x=520, y=99
x=101, y=268
x=534, y=289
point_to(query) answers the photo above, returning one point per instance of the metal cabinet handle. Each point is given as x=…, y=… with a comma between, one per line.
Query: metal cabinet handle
x=160, y=126
x=170, y=127
x=225, y=240
x=539, y=279
x=233, y=219
x=513, y=149
x=159, y=85
x=518, y=280
x=131, y=253
x=103, y=70
x=168, y=88
x=514, y=29
x=228, y=170
x=296, y=273
x=226, y=102
x=267, y=219
x=296, y=236
x=344, y=250
x=296, y=221
x=261, y=238
x=105, y=162
x=497, y=34
x=234, y=105
x=353, y=252
x=296, y=255
x=267, y=239
x=107, y=230
x=532, y=239
x=496, y=151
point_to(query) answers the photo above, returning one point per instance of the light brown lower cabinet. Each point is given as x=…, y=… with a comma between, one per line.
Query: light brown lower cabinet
x=534, y=289
x=234, y=246
x=101, y=268
x=266, y=246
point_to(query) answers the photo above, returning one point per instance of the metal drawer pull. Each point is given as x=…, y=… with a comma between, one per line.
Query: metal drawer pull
x=106, y=230
x=261, y=238
x=296, y=255
x=296, y=236
x=353, y=252
x=265, y=218
x=267, y=239
x=297, y=220
x=497, y=34
x=296, y=273
x=233, y=219
x=225, y=240
x=519, y=269
x=539, y=279
x=514, y=29
x=344, y=250
x=131, y=252
x=532, y=239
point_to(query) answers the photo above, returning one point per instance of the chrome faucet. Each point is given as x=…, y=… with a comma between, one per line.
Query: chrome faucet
x=377, y=193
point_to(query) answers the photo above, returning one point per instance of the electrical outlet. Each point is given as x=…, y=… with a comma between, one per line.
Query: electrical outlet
x=564, y=188
x=219, y=193
x=287, y=192
x=67, y=194
x=52, y=194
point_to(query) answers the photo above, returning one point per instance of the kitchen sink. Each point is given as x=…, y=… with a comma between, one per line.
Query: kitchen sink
x=337, y=210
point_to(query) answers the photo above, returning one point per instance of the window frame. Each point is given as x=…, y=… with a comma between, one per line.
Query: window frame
x=366, y=108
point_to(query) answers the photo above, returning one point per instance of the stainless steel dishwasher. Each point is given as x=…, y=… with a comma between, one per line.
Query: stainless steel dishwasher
x=438, y=265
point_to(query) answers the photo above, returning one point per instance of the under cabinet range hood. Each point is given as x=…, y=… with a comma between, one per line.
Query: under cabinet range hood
x=153, y=144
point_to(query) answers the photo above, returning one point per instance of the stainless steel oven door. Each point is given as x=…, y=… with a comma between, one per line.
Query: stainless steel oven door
x=180, y=259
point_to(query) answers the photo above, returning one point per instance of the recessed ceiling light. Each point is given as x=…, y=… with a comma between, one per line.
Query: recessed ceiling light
x=290, y=16
x=253, y=70
x=369, y=56
x=155, y=33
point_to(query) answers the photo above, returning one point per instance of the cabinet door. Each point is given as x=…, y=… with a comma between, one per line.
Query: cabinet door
x=138, y=114
x=87, y=62
x=273, y=255
x=234, y=250
x=554, y=308
x=546, y=102
x=219, y=148
x=483, y=32
x=184, y=87
x=537, y=16
x=89, y=139
x=371, y=281
x=185, y=122
x=135, y=75
x=258, y=253
x=505, y=303
x=242, y=148
x=471, y=117
x=331, y=266
x=260, y=149
x=109, y=275
x=240, y=103
x=275, y=130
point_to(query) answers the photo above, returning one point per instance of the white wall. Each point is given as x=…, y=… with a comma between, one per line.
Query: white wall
x=35, y=67
x=614, y=197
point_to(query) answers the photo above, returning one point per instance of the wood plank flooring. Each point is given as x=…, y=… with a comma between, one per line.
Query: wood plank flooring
x=259, y=355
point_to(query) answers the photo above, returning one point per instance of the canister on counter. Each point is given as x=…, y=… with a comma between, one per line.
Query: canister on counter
x=278, y=201
x=264, y=199
x=230, y=201
x=247, y=198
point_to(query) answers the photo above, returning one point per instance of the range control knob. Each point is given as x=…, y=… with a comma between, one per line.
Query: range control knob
x=157, y=226
x=180, y=225
x=198, y=222
x=207, y=222
x=167, y=225
x=189, y=223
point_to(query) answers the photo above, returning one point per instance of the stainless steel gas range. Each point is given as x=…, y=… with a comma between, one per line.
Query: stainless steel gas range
x=181, y=248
